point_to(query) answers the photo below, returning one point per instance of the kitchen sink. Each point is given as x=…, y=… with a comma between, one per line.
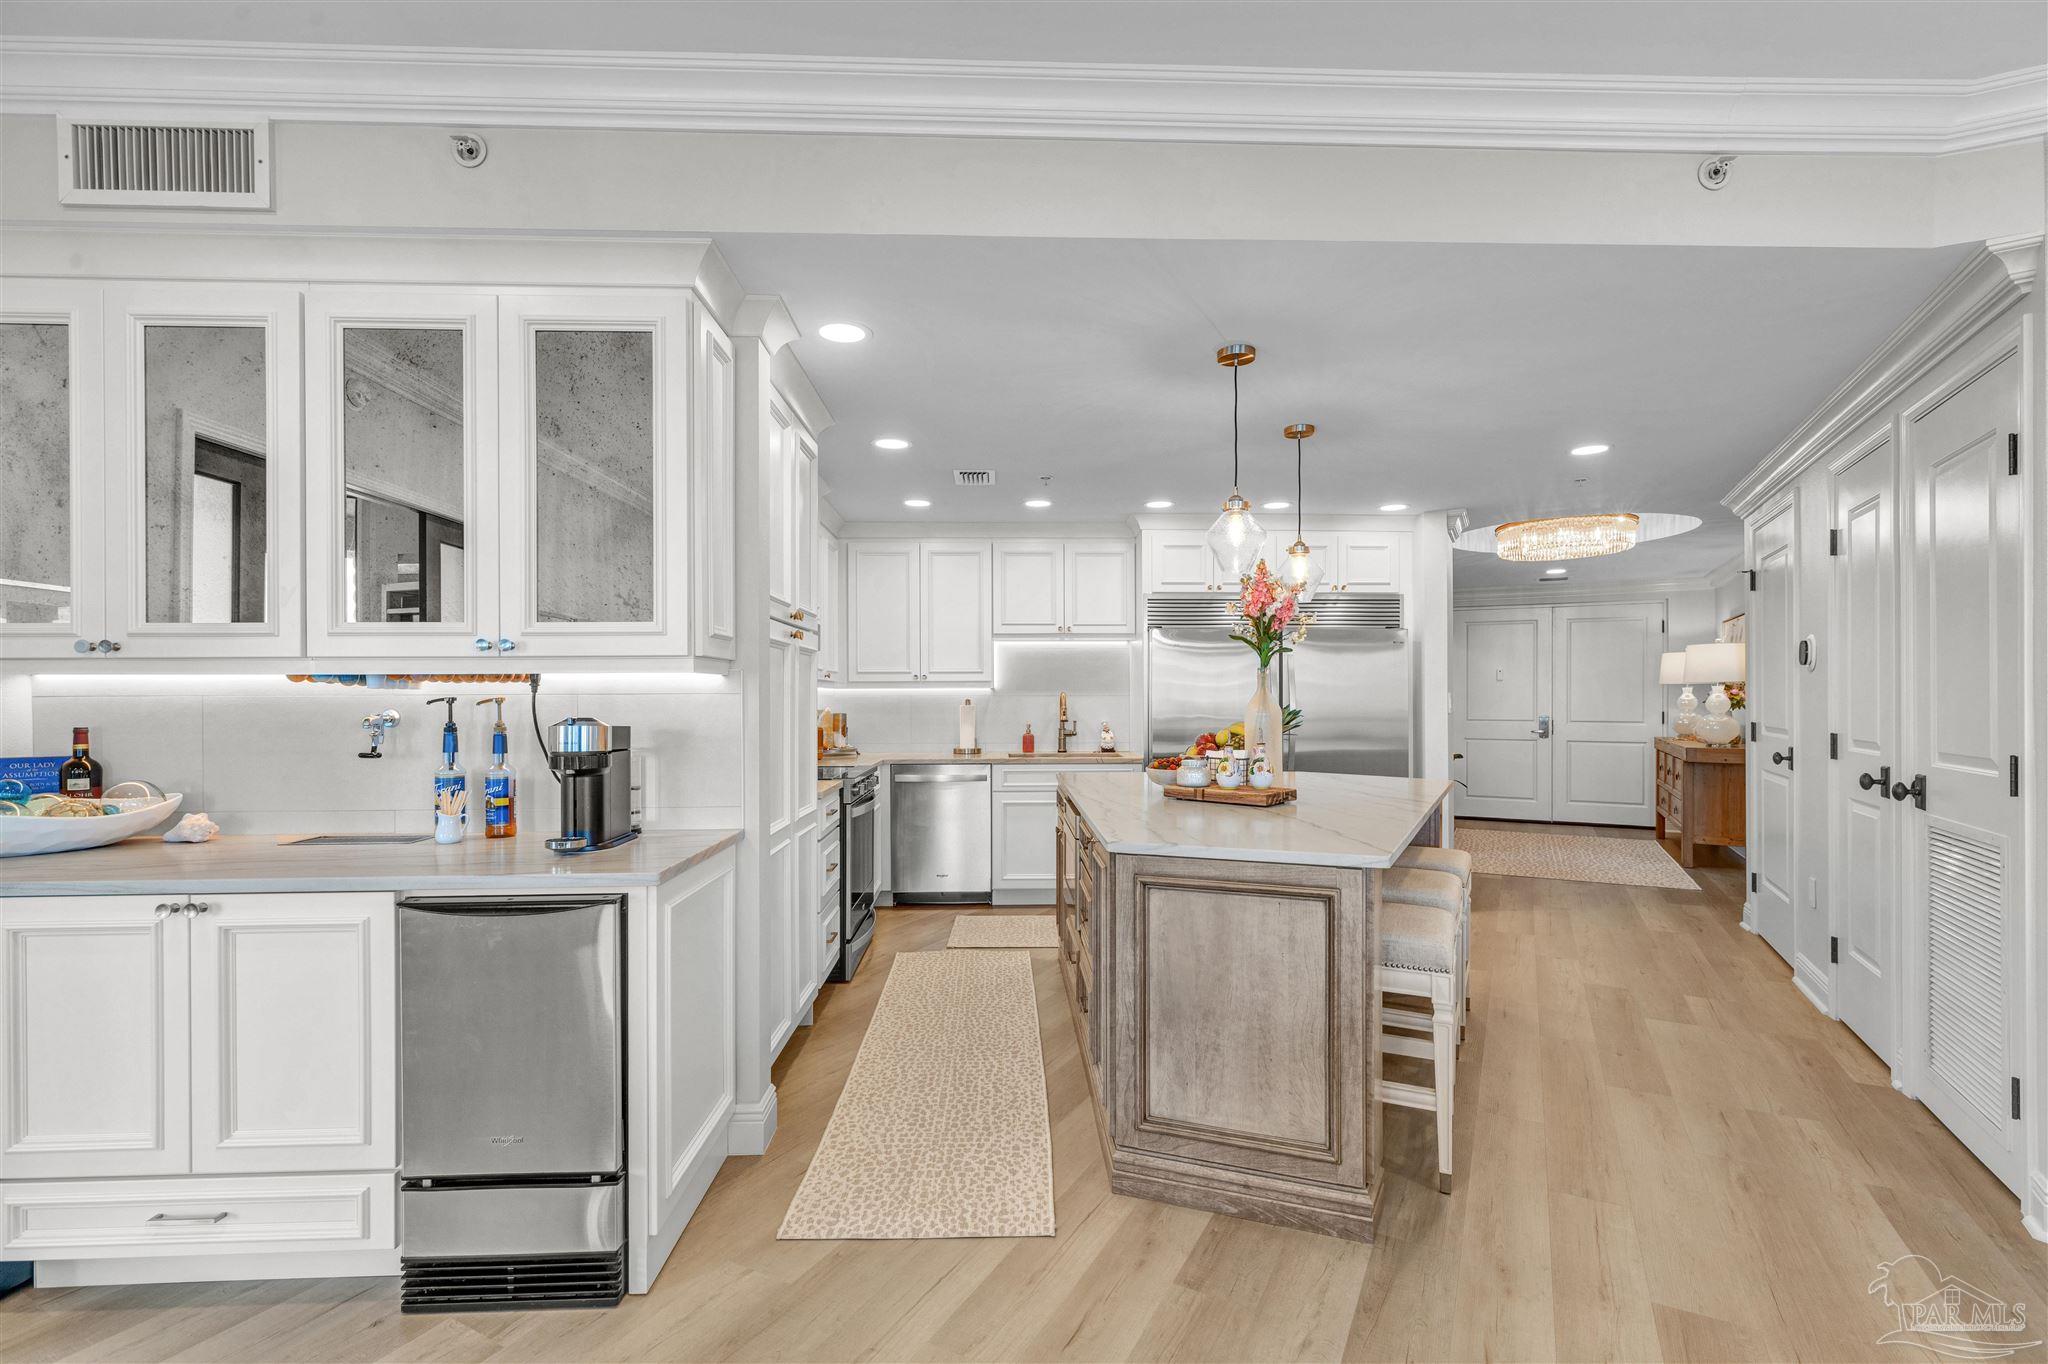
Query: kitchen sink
x=337, y=840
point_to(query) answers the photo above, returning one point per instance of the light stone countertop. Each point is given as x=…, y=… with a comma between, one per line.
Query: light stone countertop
x=997, y=756
x=827, y=785
x=225, y=865
x=1336, y=821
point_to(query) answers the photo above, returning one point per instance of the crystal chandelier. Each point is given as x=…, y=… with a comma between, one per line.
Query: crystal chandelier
x=1565, y=537
x=1301, y=574
x=1236, y=539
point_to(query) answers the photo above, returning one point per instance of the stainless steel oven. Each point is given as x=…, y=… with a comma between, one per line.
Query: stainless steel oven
x=857, y=877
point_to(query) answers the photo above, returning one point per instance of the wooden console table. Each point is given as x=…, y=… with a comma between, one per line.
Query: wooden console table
x=1699, y=795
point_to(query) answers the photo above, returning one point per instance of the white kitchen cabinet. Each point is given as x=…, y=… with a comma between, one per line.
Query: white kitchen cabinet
x=1023, y=817
x=791, y=481
x=919, y=611
x=265, y=1215
x=294, y=1058
x=1369, y=561
x=97, y=1060
x=54, y=519
x=831, y=622
x=714, y=515
x=1180, y=561
x=1052, y=587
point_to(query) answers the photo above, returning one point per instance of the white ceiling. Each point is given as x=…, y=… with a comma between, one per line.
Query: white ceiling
x=1438, y=375
x=1951, y=39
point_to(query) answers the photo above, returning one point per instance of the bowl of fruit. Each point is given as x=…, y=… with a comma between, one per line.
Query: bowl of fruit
x=1179, y=768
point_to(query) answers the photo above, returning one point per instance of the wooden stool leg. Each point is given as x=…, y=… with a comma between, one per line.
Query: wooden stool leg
x=1444, y=1022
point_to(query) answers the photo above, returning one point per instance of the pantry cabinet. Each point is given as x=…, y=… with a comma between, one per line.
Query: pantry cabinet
x=233, y=1033
x=791, y=481
x=1074, y=587
x=919, y=611
x=714, y=512
x=831, y=608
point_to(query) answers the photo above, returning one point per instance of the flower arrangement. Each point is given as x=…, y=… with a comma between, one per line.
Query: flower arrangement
x=1269, y=611
x=1738, y=695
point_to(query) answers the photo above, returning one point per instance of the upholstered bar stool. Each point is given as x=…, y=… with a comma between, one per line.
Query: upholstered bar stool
x=1419, y=957
x=1452, y=862
x=1440, y=890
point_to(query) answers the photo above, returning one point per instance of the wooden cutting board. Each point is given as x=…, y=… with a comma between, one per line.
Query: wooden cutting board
x=1243, y=795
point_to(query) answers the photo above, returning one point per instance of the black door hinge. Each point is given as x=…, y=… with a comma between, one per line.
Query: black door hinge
x=1661, y=628
x=1752, y=580
x=1834, y=949
x=1752, y=881
x=2012, y=781
x=2012, y=453
x=1661, y=717
x=1834, y=744
x=2015, y=1098
x=1752, y=731
x=1834, y=543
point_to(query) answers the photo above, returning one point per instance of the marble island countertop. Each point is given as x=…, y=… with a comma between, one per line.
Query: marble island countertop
x=997, y=756
x=225, y=865
x=1337, y=821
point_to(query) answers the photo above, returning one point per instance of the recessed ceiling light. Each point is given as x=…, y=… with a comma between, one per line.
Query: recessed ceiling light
x=1589, y=449
x=892, y=443
x=846, y=333
x=1393, y=506
x=1158, y=504
x=1274, y=506
x=1555, y=572
x=915, y=502
x=1037, y=502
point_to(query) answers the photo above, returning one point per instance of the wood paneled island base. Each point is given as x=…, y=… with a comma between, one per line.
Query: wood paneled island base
x=1221, y=965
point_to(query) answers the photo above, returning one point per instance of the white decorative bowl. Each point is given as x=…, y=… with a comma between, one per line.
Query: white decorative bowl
x=28, y=835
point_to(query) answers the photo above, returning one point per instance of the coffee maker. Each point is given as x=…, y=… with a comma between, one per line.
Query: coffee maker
x=595, y=763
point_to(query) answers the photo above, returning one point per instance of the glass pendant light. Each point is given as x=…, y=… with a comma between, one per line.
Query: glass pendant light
x=1236, y=539
x=1301, y=574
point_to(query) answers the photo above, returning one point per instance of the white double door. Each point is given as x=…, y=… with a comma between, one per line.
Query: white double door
x=1558, y=711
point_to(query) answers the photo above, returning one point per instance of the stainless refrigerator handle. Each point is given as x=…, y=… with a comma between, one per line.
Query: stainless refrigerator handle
x=919, y=781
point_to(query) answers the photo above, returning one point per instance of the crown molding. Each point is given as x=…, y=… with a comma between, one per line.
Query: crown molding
x=954, y=98
x=1982, y=288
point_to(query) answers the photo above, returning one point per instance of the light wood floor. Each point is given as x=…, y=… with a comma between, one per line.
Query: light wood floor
x=1664, y=1153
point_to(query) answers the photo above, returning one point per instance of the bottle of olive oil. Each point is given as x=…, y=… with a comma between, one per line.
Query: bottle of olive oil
x=81, y=776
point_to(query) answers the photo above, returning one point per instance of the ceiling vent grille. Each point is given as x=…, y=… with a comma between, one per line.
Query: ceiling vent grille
x=159, y=165
x=974, y=478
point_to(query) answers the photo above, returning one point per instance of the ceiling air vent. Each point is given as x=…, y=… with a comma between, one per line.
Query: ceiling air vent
x=162, y=165
x=974, y=478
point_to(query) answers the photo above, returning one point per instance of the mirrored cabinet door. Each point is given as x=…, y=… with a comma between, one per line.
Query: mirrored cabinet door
x=53, y=511
x=402, y=432
x=596, y=506
x=206, y=562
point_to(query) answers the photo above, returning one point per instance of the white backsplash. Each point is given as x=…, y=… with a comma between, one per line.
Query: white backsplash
x=262, y=755
x=1099, y=677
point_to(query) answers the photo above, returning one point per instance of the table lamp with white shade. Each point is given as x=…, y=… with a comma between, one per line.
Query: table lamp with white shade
x=1671, y=673
x=1718, y=663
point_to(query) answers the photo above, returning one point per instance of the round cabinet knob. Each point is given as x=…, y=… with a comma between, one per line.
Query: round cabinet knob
x=483, y=646
x=83, y=646
x=506, y=646
x=107, y=646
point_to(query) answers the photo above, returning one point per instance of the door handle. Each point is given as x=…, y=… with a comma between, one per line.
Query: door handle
x=1542, y=730
x=1917, y=792
x=1785, y=758
x=207, y=1217
x=1882, y=781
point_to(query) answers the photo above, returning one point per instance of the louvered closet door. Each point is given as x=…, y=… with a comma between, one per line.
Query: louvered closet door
x=1864, y=626
x=1963, y=708
x=1773, y=811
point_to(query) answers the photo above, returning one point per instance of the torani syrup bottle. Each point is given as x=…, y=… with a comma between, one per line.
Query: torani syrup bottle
x=501, y=783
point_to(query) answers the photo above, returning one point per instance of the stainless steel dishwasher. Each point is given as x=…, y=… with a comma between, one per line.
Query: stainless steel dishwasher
x=938, y=832
x=511, y=1102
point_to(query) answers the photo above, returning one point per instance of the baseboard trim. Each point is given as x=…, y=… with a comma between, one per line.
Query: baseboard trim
x=2035, y=1218
x=1812, y=981
x=319, y=1264
x=753, y=1126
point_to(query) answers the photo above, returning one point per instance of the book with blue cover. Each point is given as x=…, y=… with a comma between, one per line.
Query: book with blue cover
x=39, y=775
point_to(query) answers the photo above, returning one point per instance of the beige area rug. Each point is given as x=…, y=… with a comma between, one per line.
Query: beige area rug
x=1004, y=930
x=941, y=1130
x=1573, y=857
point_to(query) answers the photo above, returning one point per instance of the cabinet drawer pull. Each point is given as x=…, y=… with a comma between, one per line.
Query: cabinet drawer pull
x=206, y=1217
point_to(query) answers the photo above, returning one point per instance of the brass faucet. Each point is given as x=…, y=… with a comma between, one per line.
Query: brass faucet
x=1067, y=727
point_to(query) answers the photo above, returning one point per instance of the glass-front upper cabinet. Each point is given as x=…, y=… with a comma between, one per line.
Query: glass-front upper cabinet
x=594, y=410
x=402, y=474
x=52, y=512
x=204, y=468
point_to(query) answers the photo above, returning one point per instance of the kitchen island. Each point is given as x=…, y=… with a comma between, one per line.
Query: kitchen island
x=1221, y=964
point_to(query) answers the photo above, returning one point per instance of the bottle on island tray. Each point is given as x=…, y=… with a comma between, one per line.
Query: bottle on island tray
x=81, y=776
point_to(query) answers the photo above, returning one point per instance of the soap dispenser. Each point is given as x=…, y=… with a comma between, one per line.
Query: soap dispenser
x=451, y=783
x=501, y=783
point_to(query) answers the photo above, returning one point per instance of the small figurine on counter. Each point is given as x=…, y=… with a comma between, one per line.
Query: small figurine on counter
x=1262, y=770
x=1232, y=774
x=1108, y=738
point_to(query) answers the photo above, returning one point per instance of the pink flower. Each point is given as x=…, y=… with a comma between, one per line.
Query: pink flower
x=1285, y=613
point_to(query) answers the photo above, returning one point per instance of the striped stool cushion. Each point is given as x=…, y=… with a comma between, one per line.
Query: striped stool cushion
x=1413, y=886
x=1418, y=937
x=1451, y=860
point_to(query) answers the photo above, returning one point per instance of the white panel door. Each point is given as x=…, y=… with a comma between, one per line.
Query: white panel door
x=881, y=610
x=1773, y=628
x=1028, y=587
x=1964, y=710
x=1862, y=815
x=94, y=1076
x=714, y=517
x=1101, y=596
x=1501, y=696
x=954, y=612
x=1607, y=718
x=779, y=947
x=780, y=753
x=778, y=453
x=1021, y=840
x=294, y=1046
x=803, y=530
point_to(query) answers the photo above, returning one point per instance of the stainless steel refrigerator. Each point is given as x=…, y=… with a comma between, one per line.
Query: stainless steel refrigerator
x=1350, y=678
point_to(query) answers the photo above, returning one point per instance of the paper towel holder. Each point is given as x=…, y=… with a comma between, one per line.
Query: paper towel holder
x=970, y=733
